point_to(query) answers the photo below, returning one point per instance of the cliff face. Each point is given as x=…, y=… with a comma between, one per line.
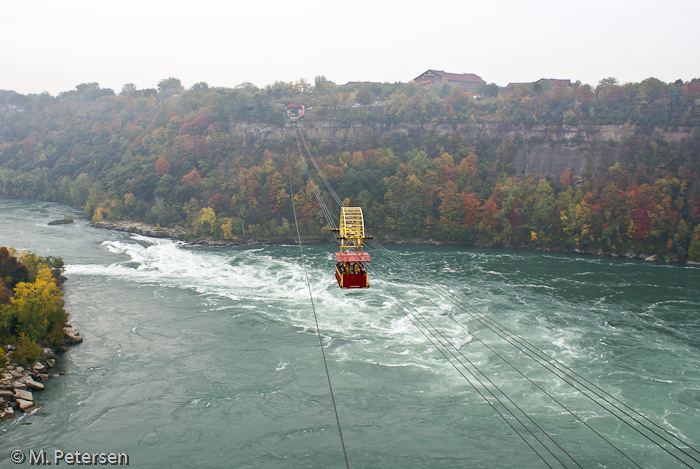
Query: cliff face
x=541, y=149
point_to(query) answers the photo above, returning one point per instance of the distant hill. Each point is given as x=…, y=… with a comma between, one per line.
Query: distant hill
x=612, y=168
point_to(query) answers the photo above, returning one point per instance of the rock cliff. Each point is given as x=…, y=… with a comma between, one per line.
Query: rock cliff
x=541, y=149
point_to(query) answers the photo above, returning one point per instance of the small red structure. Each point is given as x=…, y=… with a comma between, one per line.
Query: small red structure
x=295, y=112
x=349, y=271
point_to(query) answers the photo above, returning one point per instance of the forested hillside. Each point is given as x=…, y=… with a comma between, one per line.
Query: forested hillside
x=172, y=156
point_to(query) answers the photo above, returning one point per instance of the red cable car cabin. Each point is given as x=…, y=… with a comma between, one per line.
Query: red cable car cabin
x=349, y=271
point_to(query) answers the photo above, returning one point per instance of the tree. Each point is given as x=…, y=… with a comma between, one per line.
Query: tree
x=694, y=249
x=12, y=271
x=201, y=86
x=36, y=308
x=170, y=85
x=609, y=81
x=543, y=208
x=489, y=91
x=162, y=166
x=205, y=224
x=451, y=209
x=128, y=89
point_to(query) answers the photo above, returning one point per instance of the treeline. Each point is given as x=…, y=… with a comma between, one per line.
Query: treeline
x=31, y=304
x=167, y=156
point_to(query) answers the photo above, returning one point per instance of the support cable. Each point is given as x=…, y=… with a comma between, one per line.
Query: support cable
x=427, y=328
x=318, y=329
x=553, y=366
x=519, y=371
x=330, y=220
x=542, y=358
x=320, y=173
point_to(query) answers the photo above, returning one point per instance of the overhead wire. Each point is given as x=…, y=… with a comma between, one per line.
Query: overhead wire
x=528, y=379
x=318, y=328
x=439, y=337
x=568, y=375
x=554, y=366
x=429, y=330
x=330, y=219
x=320, y=173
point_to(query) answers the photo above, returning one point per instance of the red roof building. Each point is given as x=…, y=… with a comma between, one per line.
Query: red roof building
x=466, y=81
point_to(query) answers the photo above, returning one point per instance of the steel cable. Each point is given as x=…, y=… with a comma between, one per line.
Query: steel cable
x=542, y=358
x=553, y=365
x=318, y=329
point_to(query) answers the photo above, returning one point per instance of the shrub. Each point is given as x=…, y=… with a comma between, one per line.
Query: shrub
x=27, y=351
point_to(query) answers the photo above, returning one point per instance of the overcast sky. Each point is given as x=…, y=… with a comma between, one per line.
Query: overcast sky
x=53, y=45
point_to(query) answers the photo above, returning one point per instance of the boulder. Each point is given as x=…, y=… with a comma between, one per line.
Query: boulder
x=70, y=335
x=19, y=385
x=31, y=384
x=6, y=394
x=38, y=366
x=22, y=394
x=24, y=405
x=6, y=413
x=61, y=221
x=653, y=258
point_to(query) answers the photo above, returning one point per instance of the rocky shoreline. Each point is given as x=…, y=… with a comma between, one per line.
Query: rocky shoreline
x=180, y=234
x=18, y=383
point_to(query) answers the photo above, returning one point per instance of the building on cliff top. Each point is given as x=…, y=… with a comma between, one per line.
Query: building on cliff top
x=546, y=82
x=466, y=81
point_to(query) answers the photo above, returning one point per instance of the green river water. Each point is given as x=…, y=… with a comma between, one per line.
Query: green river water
x=208, y=357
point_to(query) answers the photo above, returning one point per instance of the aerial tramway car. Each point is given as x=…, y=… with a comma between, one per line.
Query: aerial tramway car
x=349, y=269
x=295, y=112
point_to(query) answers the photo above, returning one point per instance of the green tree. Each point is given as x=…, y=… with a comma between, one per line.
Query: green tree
x=694, y=249
x=170, y=85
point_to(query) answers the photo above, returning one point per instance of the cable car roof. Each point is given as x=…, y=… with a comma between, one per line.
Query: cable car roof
x=350, y=256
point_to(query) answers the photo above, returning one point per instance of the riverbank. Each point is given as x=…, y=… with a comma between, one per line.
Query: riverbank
x=180, y=234
x=18, y=383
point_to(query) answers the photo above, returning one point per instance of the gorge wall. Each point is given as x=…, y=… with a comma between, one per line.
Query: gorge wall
x=541, y=149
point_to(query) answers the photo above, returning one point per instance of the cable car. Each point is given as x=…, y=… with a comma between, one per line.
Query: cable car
x=349, y=269
x=295, y=111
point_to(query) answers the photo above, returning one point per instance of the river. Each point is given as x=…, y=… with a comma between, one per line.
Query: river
x=208, y=357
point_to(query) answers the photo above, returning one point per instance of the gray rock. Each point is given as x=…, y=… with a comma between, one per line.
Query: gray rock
x=71, y=336
x=61, y=221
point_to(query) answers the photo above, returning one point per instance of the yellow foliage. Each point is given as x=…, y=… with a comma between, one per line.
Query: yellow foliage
x=37, y=306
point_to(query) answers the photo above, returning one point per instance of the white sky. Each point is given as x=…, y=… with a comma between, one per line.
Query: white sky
x=53, y=45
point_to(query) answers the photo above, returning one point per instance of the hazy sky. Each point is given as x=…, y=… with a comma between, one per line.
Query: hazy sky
x=53, y=45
